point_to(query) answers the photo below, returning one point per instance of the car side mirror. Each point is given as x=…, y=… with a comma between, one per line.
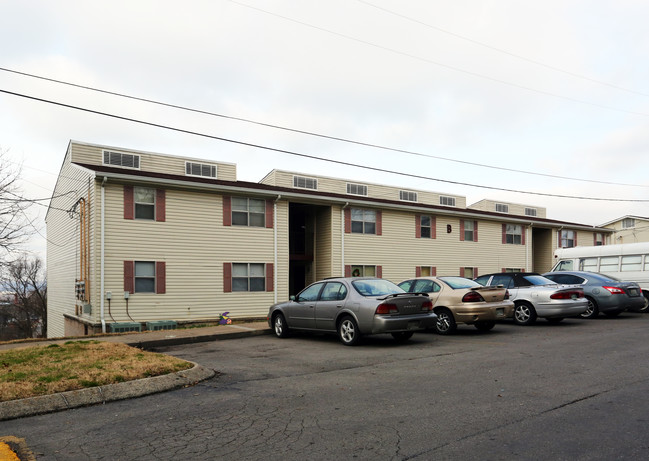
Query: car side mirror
x=292, y=297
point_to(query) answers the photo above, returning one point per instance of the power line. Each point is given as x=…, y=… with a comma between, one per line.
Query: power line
x=500, y=50
x=313, y=157
x=311, y=133
x=436, y=63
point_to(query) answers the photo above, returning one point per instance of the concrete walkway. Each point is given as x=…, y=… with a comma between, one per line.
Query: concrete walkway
x=146, y=340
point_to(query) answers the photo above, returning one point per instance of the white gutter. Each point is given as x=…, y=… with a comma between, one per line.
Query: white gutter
x=342, y=237
x=101, y=257
x=275, y=246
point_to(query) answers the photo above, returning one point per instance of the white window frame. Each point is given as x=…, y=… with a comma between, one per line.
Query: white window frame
x=189, y=167
x=429, y=227
x=502, y=208
x=628, y=223
x=247, y=212
x=364, y=270
x=365, y=220
x=356, y=189
x=248, y=277
x=136, y=203
x=446, y=200
x=469, y=223
x=530, y=212
x=514, y=234
x=565, y=238
x=137, y=277
x=110, y=154
x=304, y=182
x=407, y=196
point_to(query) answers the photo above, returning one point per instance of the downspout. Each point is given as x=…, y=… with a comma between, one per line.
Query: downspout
x=275, y=246
x=342, y=237
x=103, y=220
x=528, y=249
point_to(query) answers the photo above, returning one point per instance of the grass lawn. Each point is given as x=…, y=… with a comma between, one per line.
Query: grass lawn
x=41, y=370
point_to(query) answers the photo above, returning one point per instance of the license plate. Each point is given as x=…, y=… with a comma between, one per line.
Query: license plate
x=500, y=312
x=413, y=326
x=633, y=292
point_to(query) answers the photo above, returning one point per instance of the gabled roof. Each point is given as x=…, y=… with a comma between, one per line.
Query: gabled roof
x=641, y=218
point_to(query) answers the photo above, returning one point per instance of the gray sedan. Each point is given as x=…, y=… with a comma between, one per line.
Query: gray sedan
x=604, y=293
x=352, y=307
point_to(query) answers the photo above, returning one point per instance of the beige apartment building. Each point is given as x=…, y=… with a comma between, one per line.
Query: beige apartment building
x=628, y=229
x=140, y=238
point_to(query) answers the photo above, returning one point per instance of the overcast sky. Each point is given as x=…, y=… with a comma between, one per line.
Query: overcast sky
x=555, y=88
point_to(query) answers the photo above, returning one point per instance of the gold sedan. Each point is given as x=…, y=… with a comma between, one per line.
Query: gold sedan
x=461, y=300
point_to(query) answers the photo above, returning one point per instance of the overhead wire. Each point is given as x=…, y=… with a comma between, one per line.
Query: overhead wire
x=303, y=155
x=311, y=133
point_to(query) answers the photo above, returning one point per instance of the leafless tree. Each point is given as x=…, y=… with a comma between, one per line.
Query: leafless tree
x=14, y=228
x=25, y=279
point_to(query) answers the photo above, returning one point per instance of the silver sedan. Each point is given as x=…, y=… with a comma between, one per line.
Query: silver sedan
x=353, y=307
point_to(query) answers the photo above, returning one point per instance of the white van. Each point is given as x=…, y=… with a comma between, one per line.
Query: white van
x=628, y=262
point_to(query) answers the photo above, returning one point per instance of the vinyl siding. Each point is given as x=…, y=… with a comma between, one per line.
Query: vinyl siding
x=158, y=163
x=639, y=233
x=339, y=186
x=63, y=244
x=399, y=252
x=194, y=244
x=515, y=209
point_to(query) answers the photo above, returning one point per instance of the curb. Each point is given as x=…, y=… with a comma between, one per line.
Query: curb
x=31, y=406
x=180, y=340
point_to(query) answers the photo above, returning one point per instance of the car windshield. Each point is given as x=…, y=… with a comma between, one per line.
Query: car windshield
x=538, y=280
x=376, y=287
x=459, y=282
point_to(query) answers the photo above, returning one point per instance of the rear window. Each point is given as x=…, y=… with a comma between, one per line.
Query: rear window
x=459, y=282
x=376, y=287
x=536, y=280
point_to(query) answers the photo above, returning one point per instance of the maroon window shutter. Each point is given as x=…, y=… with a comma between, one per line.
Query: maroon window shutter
x=227, y=277
x=269, y=215
x=461, y=271
x=129, y=203
x=417, y=227
x=160, y=277
x=475, y=231
x=418, y=271
x=160, y=205
x=433, y=271
x=594, y=238
x=523, y=232
x=348, y=271
x=270, y=277
x=575, y=238
x=379, y=271
x=504, y=269
x=129, y=276
x=433, y=227
x=461, y=230
x=227, y=210
x=348, y=220
x=475, y=272
x=522, y=270
x=504, y=233
x=379, y=222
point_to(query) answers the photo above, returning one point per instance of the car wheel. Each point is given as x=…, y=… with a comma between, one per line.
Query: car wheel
x=555, y=320
x=445, y=324
x=524, y=314
x=592, y=310
x=348, y=331
x=644, y=309
x=402, y=336
x=279, y=326
x=485, y=325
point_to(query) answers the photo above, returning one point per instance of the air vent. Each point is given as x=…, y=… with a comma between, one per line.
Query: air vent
x=200, y=169
x=122, y=160
x=125, y=327
x=161, y=325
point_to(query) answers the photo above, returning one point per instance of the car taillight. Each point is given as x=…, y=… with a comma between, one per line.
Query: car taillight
x=615, y=290
x=386, y=308
x=472, y=297
x=427, y=306
x=569, y=294
x=506, y=294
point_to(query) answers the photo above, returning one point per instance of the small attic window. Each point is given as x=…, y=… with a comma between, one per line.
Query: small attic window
x=305, y=183
x=407, y=196
x=200, y=169
x=122, y=160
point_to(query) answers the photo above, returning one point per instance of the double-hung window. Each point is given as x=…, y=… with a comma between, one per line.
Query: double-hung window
x=248, y=277
x=144, y=277
x=567, y=238
x=470, y=230
x=426, y=224
x=513, y=234
x=363, y=221
x=248, y=212
x=144, y=199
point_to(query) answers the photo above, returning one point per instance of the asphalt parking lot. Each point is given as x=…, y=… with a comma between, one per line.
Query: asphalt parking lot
x=576, y=390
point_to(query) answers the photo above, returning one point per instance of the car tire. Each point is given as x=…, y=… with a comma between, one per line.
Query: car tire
x=445, y=324
x=348, y=331
x=280, y=328
x=645, y=308
x=592, y=310
x=402, y=336
x=485, y=325
x=524, y=314
x=554, y=320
